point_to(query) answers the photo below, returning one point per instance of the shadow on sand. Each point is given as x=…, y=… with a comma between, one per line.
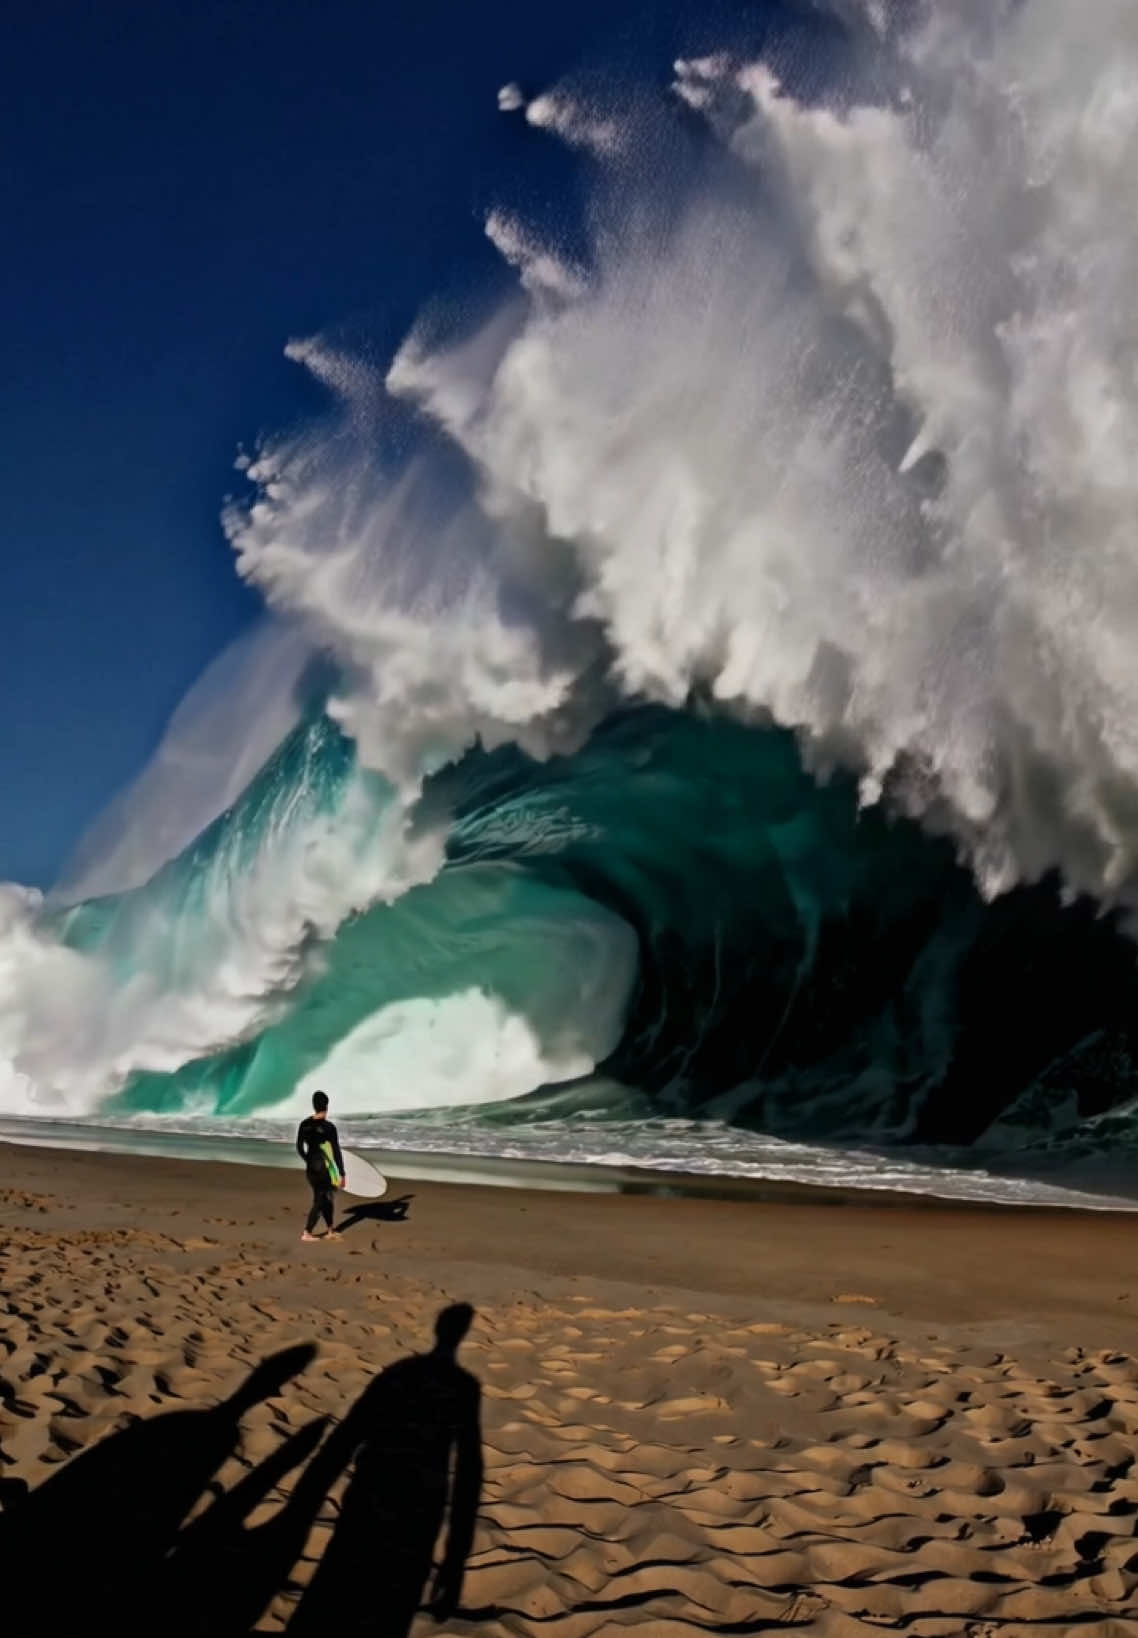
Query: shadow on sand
x=415, y=1438
x=377, y=1211
x=104, y=1543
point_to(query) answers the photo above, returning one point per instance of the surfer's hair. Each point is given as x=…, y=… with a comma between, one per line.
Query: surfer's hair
x=319, y=1101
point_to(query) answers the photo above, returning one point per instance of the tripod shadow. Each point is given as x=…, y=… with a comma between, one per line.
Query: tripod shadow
x=415, y=1437
x=112, y=1513
x=222, y=1573
x=115, y=1515
x=377, y=1211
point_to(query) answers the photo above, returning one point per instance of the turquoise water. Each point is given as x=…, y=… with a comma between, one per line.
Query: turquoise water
x=734, y=944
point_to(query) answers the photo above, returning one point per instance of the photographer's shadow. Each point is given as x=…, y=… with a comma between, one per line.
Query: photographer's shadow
x=415, y=1436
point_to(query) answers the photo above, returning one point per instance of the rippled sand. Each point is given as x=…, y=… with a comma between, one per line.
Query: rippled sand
x=696, y=1416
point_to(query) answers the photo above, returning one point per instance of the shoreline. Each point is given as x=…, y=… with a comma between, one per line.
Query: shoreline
x=526, y=1172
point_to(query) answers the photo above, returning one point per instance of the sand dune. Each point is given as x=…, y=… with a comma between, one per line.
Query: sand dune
x=686, y=1469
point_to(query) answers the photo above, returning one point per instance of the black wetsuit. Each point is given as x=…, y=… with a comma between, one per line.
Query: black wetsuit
x=311, y=1134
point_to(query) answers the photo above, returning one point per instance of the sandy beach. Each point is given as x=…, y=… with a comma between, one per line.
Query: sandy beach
x=695, y=1415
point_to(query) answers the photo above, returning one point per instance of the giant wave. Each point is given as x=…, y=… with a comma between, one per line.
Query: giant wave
x=727, y=709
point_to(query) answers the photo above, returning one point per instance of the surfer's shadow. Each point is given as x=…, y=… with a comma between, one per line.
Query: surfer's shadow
x=377, y=1211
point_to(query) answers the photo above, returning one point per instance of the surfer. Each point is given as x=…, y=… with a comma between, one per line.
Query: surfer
x=319, y=1147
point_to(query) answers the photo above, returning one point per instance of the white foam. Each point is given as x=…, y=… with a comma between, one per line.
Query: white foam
x=858, y=451
x=468, y=1047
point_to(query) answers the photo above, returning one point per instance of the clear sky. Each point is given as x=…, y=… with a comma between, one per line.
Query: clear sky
x=184, y=185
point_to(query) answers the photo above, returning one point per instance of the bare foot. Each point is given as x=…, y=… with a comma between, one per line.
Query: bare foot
x=309, y=1237
x=332, y=1235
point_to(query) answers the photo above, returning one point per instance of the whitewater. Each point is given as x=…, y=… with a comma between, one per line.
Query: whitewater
x=694, y=718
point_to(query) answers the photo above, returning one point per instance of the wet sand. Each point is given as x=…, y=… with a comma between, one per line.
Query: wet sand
x=696, y=1415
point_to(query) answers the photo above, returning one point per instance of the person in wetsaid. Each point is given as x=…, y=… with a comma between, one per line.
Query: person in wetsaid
x=319, y=1147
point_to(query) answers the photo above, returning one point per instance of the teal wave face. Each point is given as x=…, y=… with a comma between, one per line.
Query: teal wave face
x=180, y=923
x=681, y=901
x=542, y=953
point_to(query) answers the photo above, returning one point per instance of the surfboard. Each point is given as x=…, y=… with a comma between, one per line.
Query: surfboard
x=361, y=1177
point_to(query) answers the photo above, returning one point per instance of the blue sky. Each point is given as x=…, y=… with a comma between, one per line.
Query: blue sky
x=184, y=187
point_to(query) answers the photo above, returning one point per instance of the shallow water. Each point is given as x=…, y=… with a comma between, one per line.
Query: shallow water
x=593, y=1157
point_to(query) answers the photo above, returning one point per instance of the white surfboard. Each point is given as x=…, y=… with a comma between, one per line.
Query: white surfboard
x=361, y=1177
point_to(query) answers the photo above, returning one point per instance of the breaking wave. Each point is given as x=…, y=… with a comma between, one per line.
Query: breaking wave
x=729, y=687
